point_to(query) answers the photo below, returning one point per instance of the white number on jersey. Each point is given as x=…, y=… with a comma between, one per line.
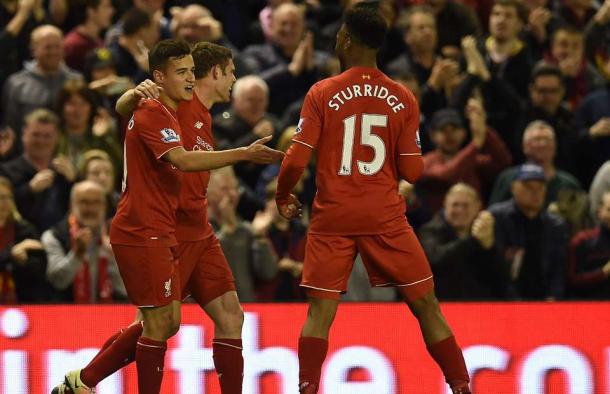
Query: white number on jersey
x=366, y=138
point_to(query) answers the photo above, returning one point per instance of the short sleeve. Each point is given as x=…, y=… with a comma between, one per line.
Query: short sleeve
x=158, y=131
x=311, y=120
x=408, y=141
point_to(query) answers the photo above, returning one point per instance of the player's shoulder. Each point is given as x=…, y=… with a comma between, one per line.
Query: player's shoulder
x=152, y=111
x=402, y=89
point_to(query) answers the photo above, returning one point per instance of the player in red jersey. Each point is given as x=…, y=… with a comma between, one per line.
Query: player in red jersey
x=143, y=231
x=363, y=127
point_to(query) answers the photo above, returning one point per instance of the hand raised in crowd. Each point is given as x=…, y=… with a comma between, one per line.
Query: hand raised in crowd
x=263, y=220
x=303, y=57
x=570, y=66
x=19, y=252
x=103, y=123
x=483, y=229
x=443, y=71
x=537, y=21
x=42, y=180
x=82, y=240
x=603, y=13
x=475, y=64
x=292, y=209
x=259, y=153
x=476, y=115
x=228, y=217
x=64, y=167
x=263, y=128
x=601, y=128
x=294, y=267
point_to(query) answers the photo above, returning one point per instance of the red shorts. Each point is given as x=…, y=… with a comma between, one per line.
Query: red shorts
x=391, y=259
x=150, y=274
x=204, y=270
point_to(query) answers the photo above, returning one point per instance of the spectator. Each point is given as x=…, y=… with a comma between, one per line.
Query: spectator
x=82, y=267
x=22, y=259
x=246, y=121
x=18, y=19
x=476, y=163
x=455, y=21
x=85, y=125
x=460, y=244
x=600, y=185
x=289, y=64
x=568, y=53
x=589, y=262
x=539, y=147
x=139, y=33
x=248, y=250
x=155, y=8
x=39, y=83
x=576, y=13
x=592, y=120
x=546, y=96
x=195, y=23
x=42, y=183
x=288, y=240
x=541, y=22
x=532, y=241
x=93, y=17
x=96, y=166
x=597, y=35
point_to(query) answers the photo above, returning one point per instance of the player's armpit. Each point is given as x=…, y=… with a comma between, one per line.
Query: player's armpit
x=296, y=159
x=410, y=167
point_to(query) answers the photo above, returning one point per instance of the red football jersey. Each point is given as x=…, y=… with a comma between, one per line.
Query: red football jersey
x=359, y=123
x=146, y=214
x=192, y=215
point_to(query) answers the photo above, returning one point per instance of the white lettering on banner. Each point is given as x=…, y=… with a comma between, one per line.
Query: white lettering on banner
x=282, y=361
x=380, y=369
x=548, y=358
x=481, y=358
x=14, y=364
x=190, y=359
x=61, y=361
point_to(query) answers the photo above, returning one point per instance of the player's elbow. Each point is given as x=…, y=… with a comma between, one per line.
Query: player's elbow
x=179, y=158
x=412, y=172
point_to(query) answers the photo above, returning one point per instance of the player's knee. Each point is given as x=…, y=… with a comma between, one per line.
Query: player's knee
x=232, y=320
x=424, y=305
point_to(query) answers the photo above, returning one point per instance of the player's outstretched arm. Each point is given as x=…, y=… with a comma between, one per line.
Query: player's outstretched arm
x=129, y=100
x=188, y=161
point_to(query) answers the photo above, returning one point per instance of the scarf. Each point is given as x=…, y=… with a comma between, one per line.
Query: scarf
x=8, y=294
x=82, y=281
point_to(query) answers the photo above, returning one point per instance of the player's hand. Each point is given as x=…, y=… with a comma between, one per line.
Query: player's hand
x=601, y=128
x=606, y=268
x=81, y=241
x=42, y=180
x=147, y=89
x=259, y=153
x=292, y=209
x=483, y=229
x=263, y=128
x=64, y=166
x=19, y=252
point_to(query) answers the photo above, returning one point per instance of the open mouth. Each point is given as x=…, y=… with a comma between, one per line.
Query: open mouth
x=189, y=89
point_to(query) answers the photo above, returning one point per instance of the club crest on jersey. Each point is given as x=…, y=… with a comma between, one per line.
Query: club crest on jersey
x=299, y=126
x=168, y=287
x=198, y=125
x=417, y=140
x=169, y=135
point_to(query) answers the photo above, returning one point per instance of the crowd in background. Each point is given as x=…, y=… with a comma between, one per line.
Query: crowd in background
x=513, y=203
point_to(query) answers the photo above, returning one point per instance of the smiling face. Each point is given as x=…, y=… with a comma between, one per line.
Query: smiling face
x=287, y=26
x=223, y=81
x=178, y=78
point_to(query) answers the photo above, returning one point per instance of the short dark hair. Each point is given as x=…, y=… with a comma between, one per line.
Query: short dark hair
x=567, y=28
x=165, y=50
x=77, y=88
x=366, y=25
x=522, y=12
x=207, y=55
x=546, y=69
x=135, y=20
x=79, y=9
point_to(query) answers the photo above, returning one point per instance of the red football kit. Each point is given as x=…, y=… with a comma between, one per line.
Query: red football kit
x=142, y=232
x=204, y=270
x=361, y=125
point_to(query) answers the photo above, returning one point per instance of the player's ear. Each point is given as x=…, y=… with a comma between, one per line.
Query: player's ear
x=158, y=76
x=216, y=71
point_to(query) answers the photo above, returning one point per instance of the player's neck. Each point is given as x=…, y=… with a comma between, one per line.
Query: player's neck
x=204, y=93
x=168, y=101
x=360, y=59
